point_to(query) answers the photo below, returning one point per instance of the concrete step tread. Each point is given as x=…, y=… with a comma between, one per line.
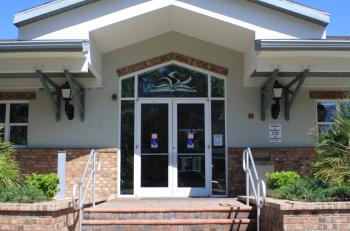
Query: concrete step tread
x=170, y=222
x=167, y=210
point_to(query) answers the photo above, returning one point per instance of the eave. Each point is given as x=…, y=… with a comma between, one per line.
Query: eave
x=56, y=7
x=47, y=10
x=296, y=10
x=302, y=45
x=44, y=46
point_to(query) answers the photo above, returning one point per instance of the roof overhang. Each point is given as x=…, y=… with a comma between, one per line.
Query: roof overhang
x=45, y=46
x=296, y=10
x=47, y=10
x=302, y=45
x=178, y=18
x=327, y=62
x=23, y=59
x=60, y=6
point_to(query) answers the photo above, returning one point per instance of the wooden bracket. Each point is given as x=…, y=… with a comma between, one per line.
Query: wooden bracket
x=54, y=95
x=290, y=95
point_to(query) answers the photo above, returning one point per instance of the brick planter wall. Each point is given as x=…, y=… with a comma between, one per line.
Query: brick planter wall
x=281, y=215
x=46, y=216
x=45, y=161
x=296, y=159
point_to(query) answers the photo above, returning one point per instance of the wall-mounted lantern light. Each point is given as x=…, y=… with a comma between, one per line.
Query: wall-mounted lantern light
x=277, y=95
x=66, y=93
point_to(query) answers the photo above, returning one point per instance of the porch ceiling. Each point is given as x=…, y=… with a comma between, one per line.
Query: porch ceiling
x=172, y=18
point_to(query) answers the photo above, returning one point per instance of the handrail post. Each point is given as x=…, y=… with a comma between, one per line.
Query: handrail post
x=94, y=183
x=81, y=205
x=258, y=185
x=258, y=207
x=247, y=176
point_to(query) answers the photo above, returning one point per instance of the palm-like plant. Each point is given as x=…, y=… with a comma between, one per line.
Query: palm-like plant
x=332, y=163
x=9, y=171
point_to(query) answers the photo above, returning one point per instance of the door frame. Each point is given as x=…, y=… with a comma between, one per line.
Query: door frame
x=135, y=98
x=192, y=191
x=172, y=190
x=151, y=191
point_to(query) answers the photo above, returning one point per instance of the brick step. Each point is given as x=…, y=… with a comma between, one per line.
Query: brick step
x=171, y=222
x=168, y=213
x=171, y=225
x=163, y=210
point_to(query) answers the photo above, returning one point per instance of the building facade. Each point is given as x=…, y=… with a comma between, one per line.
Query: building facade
x=170, y=91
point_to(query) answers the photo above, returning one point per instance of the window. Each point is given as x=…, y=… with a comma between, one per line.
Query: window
x=326, y=112
x=173, y=81
x=14, y=117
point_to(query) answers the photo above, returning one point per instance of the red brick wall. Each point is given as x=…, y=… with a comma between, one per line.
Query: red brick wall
x=44, y=216
x=45, y=161
x=296, y=159
x=280, y=215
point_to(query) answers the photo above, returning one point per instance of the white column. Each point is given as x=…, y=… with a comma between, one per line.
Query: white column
x=61, y=172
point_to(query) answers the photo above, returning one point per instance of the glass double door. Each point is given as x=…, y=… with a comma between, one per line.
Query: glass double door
x=172, y=148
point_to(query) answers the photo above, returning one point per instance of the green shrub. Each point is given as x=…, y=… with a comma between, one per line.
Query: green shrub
x=9, y=171
x=312, y=190
x=22, y=194
x=301, y=190
x=47, y=183
x=339, y=192
x=277, y=180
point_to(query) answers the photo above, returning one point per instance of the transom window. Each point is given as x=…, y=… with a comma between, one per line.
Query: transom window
x=326, y=113
x=14, y=119
x=172, y=81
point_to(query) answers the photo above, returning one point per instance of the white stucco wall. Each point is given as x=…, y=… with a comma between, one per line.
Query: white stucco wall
x=100, y=128
x=77, y=23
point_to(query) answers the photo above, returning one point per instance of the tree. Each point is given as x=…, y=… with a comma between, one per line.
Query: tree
x=9, y=171
x=332, y=163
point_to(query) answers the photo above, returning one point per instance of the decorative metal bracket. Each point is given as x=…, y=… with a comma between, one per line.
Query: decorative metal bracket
x=290, y=95
x=55, y=95
x=265, y=93
x=78, y=93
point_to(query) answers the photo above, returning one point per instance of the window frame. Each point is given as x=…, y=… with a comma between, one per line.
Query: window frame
x=8, y=124
x=337, y=106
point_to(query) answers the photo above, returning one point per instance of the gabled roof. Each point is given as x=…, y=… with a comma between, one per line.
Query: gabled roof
x=59, y=6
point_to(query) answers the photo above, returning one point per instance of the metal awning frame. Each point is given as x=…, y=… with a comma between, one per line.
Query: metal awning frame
x=54, y=92
x=291, y=91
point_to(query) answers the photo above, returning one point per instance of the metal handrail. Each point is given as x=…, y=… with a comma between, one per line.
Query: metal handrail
x=253, y=179
x=78, y=202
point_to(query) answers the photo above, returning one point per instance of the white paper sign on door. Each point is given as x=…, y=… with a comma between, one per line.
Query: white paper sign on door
x=218, y=140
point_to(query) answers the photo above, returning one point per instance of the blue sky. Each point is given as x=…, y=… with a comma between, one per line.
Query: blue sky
x=337, y=8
